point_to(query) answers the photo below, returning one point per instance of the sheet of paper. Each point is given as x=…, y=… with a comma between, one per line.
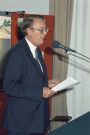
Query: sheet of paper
x=68, y=83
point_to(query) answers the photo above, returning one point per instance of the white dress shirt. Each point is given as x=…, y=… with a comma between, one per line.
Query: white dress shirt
x=32, y=47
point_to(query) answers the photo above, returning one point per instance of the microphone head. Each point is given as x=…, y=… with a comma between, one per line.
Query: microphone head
x=55, y=44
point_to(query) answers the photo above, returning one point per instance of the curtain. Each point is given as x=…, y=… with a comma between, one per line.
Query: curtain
x=62, y=10
x=78, y=98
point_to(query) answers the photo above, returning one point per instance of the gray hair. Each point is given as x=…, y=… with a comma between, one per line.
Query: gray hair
x=28, y=22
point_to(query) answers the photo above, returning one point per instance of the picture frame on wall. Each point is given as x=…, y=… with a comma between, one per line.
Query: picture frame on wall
x=5, y=43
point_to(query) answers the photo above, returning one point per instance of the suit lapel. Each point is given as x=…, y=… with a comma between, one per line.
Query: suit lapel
x=29, y=54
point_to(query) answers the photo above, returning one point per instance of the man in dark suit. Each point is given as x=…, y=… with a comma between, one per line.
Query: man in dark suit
x=26, y=82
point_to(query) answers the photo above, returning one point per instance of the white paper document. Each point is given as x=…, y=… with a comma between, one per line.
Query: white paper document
x=66, y=84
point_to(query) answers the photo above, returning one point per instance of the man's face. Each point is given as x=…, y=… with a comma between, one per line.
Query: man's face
x=37, y=37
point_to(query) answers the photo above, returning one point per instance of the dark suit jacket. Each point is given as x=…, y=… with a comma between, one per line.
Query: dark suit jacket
x=26, y=111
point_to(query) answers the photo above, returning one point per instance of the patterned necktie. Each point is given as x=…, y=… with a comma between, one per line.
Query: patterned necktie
x=37, y=58
x=36, y=55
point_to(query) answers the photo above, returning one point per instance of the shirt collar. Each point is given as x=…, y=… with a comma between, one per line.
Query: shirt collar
x=32, y=47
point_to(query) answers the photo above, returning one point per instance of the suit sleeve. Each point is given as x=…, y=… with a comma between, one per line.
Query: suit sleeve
x=13, y=85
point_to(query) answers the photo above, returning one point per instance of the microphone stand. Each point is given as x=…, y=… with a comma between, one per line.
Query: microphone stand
x=68, y=50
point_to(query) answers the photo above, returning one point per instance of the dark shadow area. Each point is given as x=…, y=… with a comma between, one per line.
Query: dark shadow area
x=3, y=61
x=48, y=50
x=20, y=33
x=1, y=84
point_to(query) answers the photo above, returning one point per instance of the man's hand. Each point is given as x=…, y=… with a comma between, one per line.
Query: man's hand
x=52, y=83
x=47, y=92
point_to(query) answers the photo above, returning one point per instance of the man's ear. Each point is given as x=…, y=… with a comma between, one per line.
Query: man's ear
x=29, y=31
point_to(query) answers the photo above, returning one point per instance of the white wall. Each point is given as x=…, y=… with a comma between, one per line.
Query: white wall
x=29, y=6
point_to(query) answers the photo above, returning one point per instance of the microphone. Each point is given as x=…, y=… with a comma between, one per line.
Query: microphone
x=57, y=44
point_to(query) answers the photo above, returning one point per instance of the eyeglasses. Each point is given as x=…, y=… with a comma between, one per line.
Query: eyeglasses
x=43, y=30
